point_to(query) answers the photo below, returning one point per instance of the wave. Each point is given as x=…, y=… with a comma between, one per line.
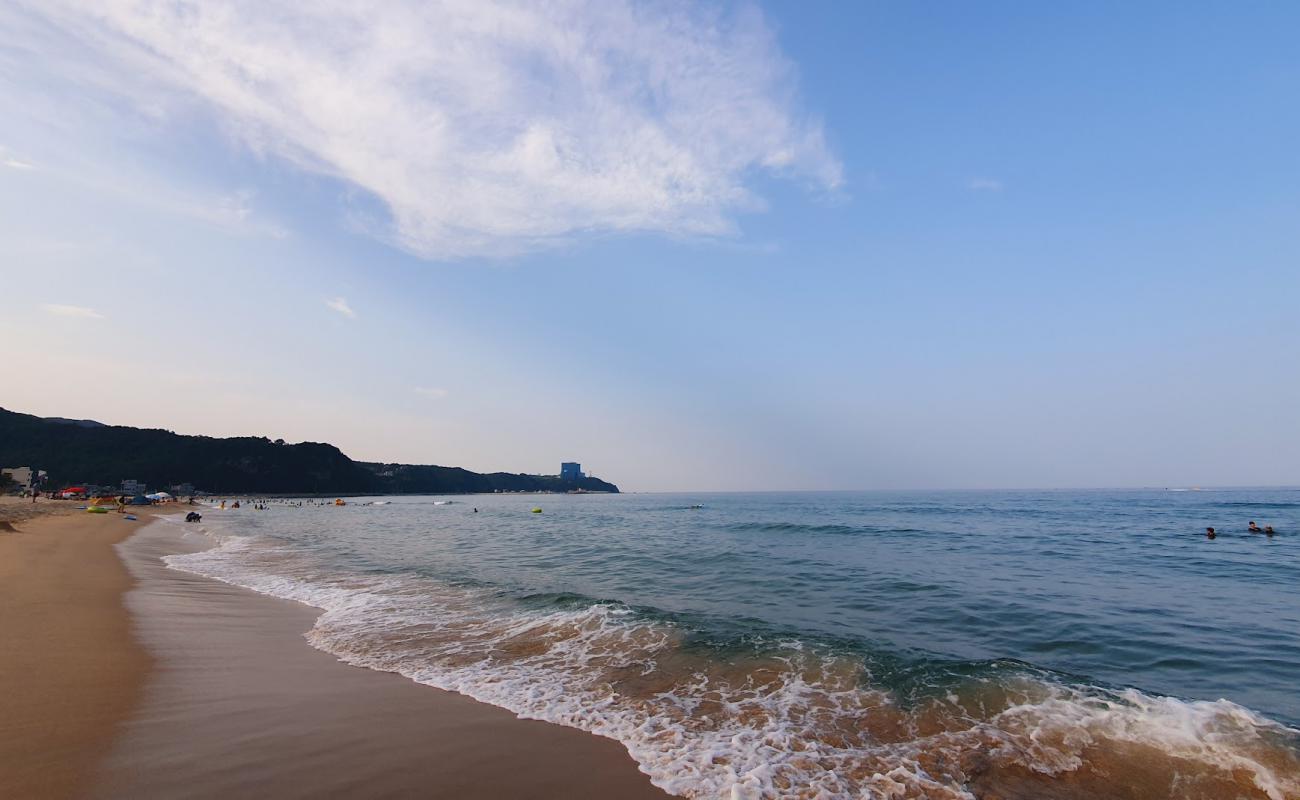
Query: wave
x=795, y=527
x=789, y=719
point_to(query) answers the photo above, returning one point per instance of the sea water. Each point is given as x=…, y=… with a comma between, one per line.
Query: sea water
x=1068, y=644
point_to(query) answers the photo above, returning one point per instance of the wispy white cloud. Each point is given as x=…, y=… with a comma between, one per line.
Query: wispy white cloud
x=484, y=127
x=61, y=310
x=232, y=212
x=341, y=305
x=984, y=185
x=12, y=161
x=430, y=392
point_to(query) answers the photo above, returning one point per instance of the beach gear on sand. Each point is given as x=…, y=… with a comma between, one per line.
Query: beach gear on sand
x=97, y=510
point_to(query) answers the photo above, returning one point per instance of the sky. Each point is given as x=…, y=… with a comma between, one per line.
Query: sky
x=694, y=246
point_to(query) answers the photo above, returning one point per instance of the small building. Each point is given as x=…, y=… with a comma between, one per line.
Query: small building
x=570, y=471
x=22, y=476
x=183, y=489
x=133, y=487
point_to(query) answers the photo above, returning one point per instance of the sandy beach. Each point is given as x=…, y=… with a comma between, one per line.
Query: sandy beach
x=126, y=679
x=70, y=667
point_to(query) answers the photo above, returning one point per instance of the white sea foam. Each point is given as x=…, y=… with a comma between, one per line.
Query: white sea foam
x=792, y=723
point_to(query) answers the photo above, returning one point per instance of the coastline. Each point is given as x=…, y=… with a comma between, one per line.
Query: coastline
x=240, y=705
x=124, y=678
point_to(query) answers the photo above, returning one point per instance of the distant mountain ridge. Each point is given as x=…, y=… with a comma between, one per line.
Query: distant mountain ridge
x=85, y=423
x=85, y=451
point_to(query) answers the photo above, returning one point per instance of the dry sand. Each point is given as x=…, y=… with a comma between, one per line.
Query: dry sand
x=16, y=509
x=204, y=690
x=70, y=670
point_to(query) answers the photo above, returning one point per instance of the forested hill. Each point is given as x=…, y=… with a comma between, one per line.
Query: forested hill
x=80, y=451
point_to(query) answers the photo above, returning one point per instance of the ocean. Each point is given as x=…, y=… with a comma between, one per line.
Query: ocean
x=1045, y=644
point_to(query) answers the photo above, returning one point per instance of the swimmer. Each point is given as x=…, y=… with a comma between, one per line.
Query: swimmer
x=1253, y=528
x=1268, y=530
x=1209, y=533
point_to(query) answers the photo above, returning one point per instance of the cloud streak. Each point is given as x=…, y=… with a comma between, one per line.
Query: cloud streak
x=10, y=161
x=984, y=185
x=341, y=305
x=483, y=127
x=61, y=310
x=431, y=393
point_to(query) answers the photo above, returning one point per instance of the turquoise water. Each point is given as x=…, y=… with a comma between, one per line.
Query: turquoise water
x=833, y=644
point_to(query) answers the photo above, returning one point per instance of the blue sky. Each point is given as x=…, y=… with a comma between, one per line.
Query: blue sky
x=869, y=245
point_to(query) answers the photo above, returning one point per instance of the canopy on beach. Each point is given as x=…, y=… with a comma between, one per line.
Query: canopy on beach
x=159, y=496
x=140, y=500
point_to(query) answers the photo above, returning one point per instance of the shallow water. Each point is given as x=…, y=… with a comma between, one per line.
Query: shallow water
x=1042, y=644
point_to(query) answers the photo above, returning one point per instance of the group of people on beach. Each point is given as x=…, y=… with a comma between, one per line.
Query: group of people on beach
x=1267, y=530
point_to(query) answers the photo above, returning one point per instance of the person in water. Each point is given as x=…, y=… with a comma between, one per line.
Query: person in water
x=1209, y=533
x=1268, y=530
x=1253, y=528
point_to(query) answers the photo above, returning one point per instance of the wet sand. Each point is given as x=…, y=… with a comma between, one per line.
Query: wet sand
x=70, y=670
x=239, y=705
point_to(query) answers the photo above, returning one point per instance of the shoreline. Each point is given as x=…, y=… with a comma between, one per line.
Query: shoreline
x=124, y=678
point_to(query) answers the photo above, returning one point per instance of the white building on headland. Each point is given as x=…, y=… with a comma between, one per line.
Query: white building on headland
x=19, y=475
